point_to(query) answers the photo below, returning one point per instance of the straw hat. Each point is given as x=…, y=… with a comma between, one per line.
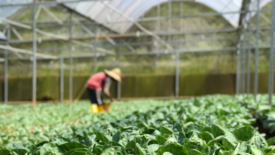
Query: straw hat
x=115, y=74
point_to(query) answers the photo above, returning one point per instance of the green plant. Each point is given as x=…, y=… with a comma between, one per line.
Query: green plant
x=206, y=125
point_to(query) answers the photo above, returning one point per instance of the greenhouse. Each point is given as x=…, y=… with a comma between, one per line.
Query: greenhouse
x=137, y=77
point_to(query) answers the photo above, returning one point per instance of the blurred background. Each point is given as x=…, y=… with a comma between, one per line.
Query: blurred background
x=165, y=48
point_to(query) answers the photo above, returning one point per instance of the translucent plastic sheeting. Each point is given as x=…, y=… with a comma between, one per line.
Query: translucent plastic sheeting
x=225, y=6
x=254, y=6
x=6, y=12
x=112, y=13
x=263, y=3
x=2, y=36
x=120, y=15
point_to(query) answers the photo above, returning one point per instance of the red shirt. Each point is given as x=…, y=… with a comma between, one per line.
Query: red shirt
x=96, y=82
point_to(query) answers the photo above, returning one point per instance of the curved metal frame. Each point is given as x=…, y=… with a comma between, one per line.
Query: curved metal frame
x=133, y=9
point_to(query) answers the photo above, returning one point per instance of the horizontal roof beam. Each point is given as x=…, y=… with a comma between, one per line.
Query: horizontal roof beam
x=225, y=49
x=193, y=51
x=148, y=19
x=17, y=50
x=45, y=3
x=149, y=43
x=51, y=35
x=64, y=57
x=129, y=35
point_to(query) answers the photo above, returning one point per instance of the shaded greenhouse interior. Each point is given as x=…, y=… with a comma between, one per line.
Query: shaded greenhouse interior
x=206, y=35
x=133, y=87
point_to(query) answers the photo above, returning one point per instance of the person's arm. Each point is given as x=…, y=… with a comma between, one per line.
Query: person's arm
x=98, y=97
x=108, y=82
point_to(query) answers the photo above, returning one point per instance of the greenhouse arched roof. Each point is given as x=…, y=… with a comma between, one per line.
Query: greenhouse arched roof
x=123, y=10
x=118, y=10
x=113, y=13
x=6, y=12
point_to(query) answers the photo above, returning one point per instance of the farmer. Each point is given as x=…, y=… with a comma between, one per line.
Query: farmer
x=101, y=82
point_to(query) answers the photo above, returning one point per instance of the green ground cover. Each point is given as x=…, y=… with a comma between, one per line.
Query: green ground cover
x=23, y=124
x=202, y=126
x=262, y=111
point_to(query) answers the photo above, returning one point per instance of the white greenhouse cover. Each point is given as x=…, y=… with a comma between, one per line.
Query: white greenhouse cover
x=2, y=36
x=6, y=12
x=113, y=13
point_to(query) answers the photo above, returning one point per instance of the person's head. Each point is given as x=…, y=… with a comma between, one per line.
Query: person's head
x=114, y=74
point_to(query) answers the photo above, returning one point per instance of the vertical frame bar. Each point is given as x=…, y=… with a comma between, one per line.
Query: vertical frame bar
x=170, y=14
x=118, y=83
x=61, y=79
x=248, y=53
x=244, y=62
x=71, y=63
x=271, y=60
x=6, y=69
x=256, y=83
x=244, y=54
x=95, y=49
x=181, y=14
x=177, y=79
x=6, y=72
x=156, y=43
x=34, y=58
x=158, y=21
x=238, y=73
x=239, y=65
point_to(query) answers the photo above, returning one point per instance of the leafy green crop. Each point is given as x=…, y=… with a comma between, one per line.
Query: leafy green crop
x=21, y=124
x=211, y=125
x=261, y=110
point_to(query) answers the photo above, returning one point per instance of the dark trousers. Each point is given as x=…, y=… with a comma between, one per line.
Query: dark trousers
x=92, y=96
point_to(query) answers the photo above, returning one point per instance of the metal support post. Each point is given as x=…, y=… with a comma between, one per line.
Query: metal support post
x=6, y=69
x=170, y=14
x=118, y=84
x=61, y=79
x=239, y=65
x=34, y=58
x=271, y=60
x=95, y=50
x=178, y=54
x=238, y=73
x=6, y=78
x=71, y=63
x=181, y=14
x=240, y=81
x=243, y=70
x=256, y=83
x=248, y=53
x=177, y=79
x=158, y=22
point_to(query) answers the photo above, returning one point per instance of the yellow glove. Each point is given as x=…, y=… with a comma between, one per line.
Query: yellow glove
x=100, y=108
x=94, y=108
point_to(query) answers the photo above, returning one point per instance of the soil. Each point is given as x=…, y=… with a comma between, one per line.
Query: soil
x=258, y=125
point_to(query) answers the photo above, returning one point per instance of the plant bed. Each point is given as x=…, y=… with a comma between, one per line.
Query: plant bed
x=261, y=111
x=258, y=125
x=203, y=126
